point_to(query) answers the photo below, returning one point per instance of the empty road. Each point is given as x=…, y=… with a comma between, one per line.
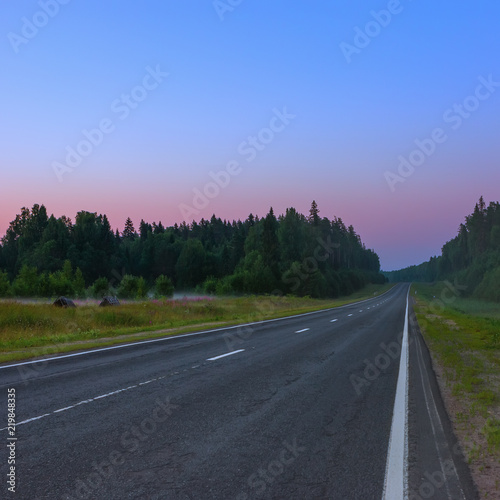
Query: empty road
x=297, y=408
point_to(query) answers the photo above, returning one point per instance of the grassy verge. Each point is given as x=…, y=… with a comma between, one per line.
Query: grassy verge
x=34, y=329
x=464, y=338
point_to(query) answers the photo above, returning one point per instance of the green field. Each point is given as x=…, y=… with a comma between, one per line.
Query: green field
x=464, y=338
x=36, y=329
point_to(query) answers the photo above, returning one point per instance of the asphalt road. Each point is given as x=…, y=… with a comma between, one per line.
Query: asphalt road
x=299, y=408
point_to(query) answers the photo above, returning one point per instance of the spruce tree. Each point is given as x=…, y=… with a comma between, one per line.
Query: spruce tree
x=313, y=214
x=129, y=231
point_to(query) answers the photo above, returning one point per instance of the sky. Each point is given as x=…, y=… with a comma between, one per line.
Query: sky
x=386, y=113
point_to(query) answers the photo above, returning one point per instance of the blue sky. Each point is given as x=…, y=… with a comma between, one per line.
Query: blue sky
x=353, y=117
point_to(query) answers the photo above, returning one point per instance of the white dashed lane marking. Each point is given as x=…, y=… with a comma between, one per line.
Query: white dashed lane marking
x=85, y=401
x=224, y=355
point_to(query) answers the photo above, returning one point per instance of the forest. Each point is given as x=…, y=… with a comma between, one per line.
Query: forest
x=45, y=256
x=471, y=259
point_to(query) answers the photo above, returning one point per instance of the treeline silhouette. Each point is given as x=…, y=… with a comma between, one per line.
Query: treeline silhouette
x=42, y=255
x=472, y=258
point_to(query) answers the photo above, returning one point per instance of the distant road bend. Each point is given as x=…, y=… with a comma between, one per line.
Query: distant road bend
x=336, y=404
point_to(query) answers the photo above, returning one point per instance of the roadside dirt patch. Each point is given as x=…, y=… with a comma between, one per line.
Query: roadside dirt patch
x=449, y=322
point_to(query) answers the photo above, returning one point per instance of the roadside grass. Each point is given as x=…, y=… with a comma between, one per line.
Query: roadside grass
x=464, y=338
x=34, y=329
x=475, y=307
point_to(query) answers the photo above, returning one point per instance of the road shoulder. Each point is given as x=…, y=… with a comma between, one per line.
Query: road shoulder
x=437, y=467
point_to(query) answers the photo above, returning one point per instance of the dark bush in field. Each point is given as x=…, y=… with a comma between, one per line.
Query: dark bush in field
x=164, y=286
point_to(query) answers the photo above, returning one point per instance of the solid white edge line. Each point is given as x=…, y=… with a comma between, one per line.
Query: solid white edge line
x=172, y=337
x=396, y=471
x=224, y=355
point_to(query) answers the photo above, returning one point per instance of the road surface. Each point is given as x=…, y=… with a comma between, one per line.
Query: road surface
x=298, y=408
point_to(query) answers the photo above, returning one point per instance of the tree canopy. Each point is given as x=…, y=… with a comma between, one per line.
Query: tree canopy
x=472, y=258
x=289, y=253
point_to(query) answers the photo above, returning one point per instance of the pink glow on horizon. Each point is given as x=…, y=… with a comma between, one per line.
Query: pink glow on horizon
x=385, y=221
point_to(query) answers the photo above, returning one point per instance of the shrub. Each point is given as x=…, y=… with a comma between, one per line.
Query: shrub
x=79, y=283
x=60, y=284
x=315, y=285
x=4, y=284
x=100, y=288
x=210, y=285
x=26, y=282
x=489, y=288
x=225, y=286
x=142, y=288
x=164, y=286
x=129, y=287
x=238, y=282
x=44, y=285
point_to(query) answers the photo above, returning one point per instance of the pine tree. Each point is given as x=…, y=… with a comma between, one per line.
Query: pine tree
x=144, y=229
x=314, y=214
x=270, y=242
x=129, y=231
x=158, y=229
